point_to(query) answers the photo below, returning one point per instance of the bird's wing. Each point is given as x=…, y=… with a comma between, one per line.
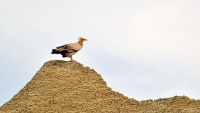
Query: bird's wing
x=72, y=47
x=62, y=47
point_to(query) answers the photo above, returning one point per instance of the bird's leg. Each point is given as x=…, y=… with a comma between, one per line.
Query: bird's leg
x=71, y=58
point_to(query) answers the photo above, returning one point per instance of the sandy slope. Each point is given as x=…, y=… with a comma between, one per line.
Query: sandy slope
x=69, y=87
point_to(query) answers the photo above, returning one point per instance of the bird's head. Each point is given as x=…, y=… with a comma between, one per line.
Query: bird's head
x=82, y=39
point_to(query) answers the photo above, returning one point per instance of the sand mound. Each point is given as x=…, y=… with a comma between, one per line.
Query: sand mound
x=69, y=87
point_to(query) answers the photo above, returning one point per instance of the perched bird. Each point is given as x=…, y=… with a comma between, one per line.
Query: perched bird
x=68, y=50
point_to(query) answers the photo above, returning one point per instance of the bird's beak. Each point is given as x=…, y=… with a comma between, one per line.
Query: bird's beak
x=85, y=39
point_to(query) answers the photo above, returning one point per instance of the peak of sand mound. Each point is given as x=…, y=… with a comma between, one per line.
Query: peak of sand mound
x=70, y=87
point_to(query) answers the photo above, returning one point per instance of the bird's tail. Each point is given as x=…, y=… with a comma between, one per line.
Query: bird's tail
x=54, y=51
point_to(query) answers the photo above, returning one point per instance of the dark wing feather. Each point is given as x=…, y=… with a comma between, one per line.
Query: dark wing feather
x=66, y=48
x=63, y=47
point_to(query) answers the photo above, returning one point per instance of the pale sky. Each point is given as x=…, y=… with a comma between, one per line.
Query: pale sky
x=144, y=49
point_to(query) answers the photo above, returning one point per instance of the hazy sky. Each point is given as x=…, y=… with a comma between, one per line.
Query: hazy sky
x=145, y=49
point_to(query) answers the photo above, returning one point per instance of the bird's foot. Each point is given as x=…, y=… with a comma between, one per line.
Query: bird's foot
x=73, y=61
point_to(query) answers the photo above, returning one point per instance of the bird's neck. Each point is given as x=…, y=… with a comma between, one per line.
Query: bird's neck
x=80, y=42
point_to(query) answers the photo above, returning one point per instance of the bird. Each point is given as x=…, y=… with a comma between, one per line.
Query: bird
x=68, y=50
